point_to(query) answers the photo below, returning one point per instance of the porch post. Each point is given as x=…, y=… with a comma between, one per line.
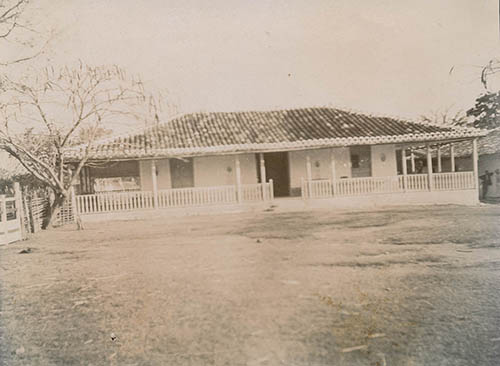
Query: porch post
x=334, y=173
x=412, y=162
x=440, y=169
x=309, y=175
x=405, y=169
x=154, y=179
x=429, y=168
x=238, y=178
x=452, y=157
x=474, y=163
x=263, y=176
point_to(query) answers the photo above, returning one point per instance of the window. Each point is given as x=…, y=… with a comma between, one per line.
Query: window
x=361, y=165
x=355, y=161
x=116, y=184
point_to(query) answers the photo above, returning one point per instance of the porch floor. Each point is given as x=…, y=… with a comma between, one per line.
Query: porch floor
x=292, y=204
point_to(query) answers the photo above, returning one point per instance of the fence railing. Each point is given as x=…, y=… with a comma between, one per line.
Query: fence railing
x=178, y=197
x=391, y=184
x=37, y=207
x=183, y=197
x=415, y=182
x=111, y=202
x=257, y=192
x=317, y=188
x=368, y=185
x=453, y=181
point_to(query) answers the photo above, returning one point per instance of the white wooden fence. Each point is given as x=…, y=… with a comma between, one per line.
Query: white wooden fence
x=115, y=201
x=184, y=197
x=453, y=181
x=169, y=198
x=10, y=219
x=391, y=184
x=36, y=207
x=415, y=182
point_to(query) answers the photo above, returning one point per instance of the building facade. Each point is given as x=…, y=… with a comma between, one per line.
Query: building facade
x=315, y=154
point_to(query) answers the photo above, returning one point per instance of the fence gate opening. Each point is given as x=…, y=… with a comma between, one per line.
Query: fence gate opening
x=10, y=220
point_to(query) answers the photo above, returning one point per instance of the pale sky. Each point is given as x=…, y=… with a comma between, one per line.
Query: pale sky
x=382, y=56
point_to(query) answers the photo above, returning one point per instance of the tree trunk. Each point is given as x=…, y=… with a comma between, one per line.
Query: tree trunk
x=54, y=209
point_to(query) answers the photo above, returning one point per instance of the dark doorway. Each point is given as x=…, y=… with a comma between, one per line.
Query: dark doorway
x=181, y=173
x=277, y=169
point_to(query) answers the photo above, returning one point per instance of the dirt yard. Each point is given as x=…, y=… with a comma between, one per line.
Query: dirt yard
x=406, y=287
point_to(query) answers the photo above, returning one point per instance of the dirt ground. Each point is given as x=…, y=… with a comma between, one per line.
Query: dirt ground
x=409, y=286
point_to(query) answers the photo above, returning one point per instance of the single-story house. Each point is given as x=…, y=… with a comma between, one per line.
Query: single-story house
x=239, y=157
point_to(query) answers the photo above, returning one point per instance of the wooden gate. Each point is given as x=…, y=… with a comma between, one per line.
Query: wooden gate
x=10, y=220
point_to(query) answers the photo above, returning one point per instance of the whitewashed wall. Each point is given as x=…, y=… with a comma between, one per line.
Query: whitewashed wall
x=163, y=177
x=383, y=160
x=320, y=164
x=221, y=170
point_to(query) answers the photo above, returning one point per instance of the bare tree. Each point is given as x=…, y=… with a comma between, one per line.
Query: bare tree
x=445, y=118
x=53, y=110
x=19, y=39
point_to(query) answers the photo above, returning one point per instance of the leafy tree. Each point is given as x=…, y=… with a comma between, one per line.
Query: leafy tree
x=51, y=111
x=486, y=111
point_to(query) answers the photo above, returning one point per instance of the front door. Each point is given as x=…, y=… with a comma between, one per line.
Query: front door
x=181, y=173
x=277, y=169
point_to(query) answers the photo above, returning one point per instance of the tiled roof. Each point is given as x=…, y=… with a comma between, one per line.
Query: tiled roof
x=234, y=132
x=489, y=144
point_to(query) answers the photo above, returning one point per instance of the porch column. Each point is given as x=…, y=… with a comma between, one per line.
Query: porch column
x=154, y=179
x=452, y=157
x=440, y=169
x=263, y=176
x=334, y=173
x=474, y=163
x=412, y=162
x=309, y=175
x=429, y=168
x=405, y=169
x=238, y=178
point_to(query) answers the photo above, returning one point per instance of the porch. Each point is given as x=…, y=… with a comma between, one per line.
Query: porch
x=352, y=176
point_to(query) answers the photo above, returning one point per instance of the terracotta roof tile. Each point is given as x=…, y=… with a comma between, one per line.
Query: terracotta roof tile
x=231, y=132
x=489, y=144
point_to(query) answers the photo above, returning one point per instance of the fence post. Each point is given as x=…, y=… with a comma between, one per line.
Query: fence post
x=19, y=209
x=74, y=206
x=3, y=217
x=27, y=211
